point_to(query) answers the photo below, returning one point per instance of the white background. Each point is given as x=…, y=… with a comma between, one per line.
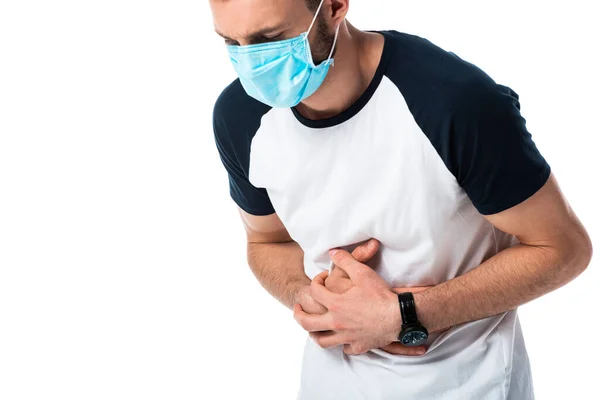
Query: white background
x=123, y=271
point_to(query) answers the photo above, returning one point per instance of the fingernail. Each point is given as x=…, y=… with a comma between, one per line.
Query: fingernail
x=332, y=252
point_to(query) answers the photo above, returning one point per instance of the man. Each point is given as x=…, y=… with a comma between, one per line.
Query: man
x=399, y=154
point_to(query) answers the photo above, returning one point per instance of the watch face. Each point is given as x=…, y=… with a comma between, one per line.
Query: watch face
x=414, y=338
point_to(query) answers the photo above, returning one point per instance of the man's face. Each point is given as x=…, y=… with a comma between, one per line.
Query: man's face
x=245, y=22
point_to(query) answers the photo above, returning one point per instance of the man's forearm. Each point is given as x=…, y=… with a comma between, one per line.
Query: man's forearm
x=279, y=267
x=505, y=281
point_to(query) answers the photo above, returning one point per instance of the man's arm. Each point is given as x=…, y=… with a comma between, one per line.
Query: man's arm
x=275, y=259
x=554, y=248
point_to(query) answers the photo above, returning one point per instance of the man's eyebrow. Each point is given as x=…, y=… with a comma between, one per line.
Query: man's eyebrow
x=258, y=34
x=222, y=35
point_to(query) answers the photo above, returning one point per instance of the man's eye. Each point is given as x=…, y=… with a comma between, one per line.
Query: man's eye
x=275, y=38
x=231, y=42
x=267, y=39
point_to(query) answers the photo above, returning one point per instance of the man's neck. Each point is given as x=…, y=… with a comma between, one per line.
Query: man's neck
x=356, y=60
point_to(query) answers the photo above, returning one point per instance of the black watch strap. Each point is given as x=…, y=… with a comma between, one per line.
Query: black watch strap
x=407, y=308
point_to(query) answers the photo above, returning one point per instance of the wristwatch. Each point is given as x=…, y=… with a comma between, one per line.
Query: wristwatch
x=412, y=332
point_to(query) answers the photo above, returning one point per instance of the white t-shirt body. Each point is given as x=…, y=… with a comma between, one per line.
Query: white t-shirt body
x=431, y=146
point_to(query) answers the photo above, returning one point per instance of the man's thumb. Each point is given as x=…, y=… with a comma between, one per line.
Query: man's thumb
x=365, y=251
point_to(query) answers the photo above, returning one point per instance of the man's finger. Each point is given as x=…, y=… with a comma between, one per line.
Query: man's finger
x=319, y=291
x=327, y=339
x=398, y=348
x=321, y=276
x=350, y=351
x=365, y=251
x=312, y=322
x=344, y=260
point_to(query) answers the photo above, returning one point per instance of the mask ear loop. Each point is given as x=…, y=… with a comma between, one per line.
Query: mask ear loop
x=337, y=30
x=314, y=18
x=333, y=45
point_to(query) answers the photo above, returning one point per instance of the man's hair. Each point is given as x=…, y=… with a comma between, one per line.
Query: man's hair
x=312, y=4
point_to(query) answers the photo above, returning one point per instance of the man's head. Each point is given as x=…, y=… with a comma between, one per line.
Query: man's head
x=244, y=22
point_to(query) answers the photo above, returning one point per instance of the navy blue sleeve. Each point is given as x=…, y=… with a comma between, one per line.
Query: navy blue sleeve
x=491, y=152
x=236, y=118
x=474, y=123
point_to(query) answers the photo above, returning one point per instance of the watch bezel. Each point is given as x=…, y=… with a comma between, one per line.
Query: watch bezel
x=409, y=328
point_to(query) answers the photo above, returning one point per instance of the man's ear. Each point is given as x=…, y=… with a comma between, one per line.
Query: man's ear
x=337, y=11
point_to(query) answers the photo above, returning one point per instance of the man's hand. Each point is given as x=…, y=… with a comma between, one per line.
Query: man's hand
x=365, y=316
x=339, y=282
x=308, y=304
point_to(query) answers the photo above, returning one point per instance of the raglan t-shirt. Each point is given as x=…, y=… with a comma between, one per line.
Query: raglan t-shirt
x=431, y=146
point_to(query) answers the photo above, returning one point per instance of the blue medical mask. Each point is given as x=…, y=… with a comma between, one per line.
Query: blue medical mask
x=282, y=73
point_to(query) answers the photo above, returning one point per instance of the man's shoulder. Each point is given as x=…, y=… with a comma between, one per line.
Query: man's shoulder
x=234, y=107
x=474, y=123
x=430, y=76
